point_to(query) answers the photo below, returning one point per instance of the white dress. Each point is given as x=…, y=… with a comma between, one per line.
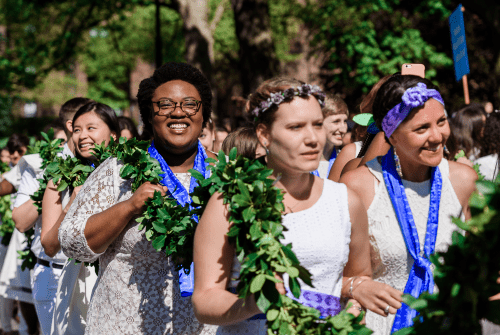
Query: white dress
x=14, y=282
x=391, y=262
x=488, y=166
x=74, y=291
x=320, y=236
x=137, y=291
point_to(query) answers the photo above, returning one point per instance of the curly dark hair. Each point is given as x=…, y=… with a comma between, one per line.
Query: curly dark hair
x=491, y=139
x=168, y=72
x=391, y=92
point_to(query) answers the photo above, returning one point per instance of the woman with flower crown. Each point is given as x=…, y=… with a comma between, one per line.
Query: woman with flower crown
x=411, y=194
x=325, y=221
x=137, y=290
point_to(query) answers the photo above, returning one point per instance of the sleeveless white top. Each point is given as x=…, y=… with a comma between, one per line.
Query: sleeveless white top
x=320, y=236
x=391, y=262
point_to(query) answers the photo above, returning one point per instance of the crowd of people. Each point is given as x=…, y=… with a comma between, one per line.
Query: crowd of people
x=365, y=206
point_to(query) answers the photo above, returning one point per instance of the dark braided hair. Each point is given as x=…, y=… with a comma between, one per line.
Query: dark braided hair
x=168, y=72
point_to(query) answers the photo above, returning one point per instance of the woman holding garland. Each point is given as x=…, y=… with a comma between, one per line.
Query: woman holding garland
x=137, y=291
x=326, y=222
x=411, y=194
x=92, y=123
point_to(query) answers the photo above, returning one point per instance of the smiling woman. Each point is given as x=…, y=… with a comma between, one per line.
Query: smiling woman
x=411, y=194
x=94, y=123
x=138, y=288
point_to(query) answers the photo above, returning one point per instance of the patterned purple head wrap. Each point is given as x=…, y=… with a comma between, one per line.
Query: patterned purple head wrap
x=412, y=98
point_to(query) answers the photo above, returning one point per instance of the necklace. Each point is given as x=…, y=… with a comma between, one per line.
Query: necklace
x=290, y=208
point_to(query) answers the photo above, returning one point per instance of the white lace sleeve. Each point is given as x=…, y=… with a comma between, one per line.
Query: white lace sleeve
x=96, y=195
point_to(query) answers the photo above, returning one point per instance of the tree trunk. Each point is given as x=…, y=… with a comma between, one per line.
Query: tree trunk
x=257, y=58
x=158, y=37
x=199, y=39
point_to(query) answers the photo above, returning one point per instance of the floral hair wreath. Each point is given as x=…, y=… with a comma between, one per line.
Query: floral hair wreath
x=277, y=98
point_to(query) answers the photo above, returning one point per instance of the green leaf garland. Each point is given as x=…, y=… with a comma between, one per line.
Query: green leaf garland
x=255, y=210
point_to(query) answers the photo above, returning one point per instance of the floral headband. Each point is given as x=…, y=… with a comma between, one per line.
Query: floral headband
x=302, y=91
x=412, y=98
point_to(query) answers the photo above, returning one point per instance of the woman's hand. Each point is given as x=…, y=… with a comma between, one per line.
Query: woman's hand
x=377, y=296
x=143, y=193
x=355, y=308
x=280, y=287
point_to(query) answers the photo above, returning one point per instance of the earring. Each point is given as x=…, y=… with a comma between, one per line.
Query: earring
x=398, y=164
x=446, y=151
x=267, y=151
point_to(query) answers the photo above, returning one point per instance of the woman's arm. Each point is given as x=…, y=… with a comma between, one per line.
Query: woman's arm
x=463, y=179
x=51, y=210
x=25, y=216
x=103, y=228
x=213, y=259
x=370, y=294
x=378, y=147
x=6, y=188
x=346, y=154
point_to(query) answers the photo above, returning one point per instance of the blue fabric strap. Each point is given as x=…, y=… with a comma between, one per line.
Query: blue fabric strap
x=333, y=156
x=179, y=192
x=421, y=277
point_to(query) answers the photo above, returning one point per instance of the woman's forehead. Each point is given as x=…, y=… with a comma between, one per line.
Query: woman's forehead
x=176, y=89
x=299, y=109
x=431, y=110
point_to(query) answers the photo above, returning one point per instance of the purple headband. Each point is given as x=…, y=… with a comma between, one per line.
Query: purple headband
x=412, y=98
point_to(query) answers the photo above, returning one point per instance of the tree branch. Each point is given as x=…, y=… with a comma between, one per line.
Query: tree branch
x=217, y=16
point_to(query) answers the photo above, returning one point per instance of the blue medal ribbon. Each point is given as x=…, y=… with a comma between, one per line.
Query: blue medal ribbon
x=421, y=277
x=179, y=192
x=333, y=156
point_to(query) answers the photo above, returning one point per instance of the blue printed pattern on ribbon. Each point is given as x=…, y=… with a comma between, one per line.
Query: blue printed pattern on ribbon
x=177, y=190
x=328, y=305
x=421, y=277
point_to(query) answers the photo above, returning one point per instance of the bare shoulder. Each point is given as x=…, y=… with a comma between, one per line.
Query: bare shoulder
x=463, y=178
x=360, y=181
x=348, y=151
x=358, y=178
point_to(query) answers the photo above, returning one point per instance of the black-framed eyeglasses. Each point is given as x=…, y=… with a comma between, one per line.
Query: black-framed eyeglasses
x=167, y=107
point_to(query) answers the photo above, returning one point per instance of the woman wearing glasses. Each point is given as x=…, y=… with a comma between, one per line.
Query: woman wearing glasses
x=137, y=291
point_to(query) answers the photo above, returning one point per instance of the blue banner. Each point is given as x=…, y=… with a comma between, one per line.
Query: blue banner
x=458, y=44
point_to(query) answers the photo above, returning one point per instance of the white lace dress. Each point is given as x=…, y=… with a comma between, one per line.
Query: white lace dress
x=320, y=236
x=137, y=291
x=391, y=262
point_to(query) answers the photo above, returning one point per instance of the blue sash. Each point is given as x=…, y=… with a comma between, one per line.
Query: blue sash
x=421, y=277
x=326, y=304
x=176, y=190
x=333, y=156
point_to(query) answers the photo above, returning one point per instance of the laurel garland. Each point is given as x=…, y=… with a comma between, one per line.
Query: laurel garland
x=255, y=208
x=7, y=224
x=69, y=172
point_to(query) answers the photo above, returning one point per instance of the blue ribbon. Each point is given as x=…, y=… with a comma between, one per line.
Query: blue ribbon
x=421, y=277
x=333, y=156
x=179, y=192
